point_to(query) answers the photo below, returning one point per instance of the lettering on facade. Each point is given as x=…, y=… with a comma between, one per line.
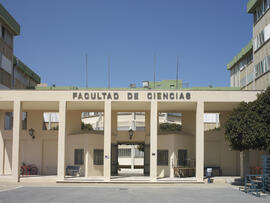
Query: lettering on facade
x=163, y=96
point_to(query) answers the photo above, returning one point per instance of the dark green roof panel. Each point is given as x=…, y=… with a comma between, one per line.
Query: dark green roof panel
x=26, y=70
x=251, y=5
x=240, y=55
x=9, y=20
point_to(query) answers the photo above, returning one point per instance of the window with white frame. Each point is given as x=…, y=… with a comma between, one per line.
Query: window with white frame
x=260, y=10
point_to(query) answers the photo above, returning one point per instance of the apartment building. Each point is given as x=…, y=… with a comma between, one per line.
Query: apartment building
x=14, y=74
x=250, y=69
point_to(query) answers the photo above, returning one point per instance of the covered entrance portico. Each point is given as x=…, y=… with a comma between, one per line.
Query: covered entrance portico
x=96, y=147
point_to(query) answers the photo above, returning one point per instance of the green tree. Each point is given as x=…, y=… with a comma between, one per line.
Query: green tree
x=248, y=127
x=170, y=127
x=87, y=126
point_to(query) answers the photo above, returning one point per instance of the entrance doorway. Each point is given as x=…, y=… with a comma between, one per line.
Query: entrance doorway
x=133, y=160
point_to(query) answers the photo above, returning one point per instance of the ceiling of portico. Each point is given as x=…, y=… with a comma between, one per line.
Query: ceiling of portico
x=131, y=106
x=219, y=106
x=40, y=105
x=6, y=105
x=88, y=106
x=176, y=106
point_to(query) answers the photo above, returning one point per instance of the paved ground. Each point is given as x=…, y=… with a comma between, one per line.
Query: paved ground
x=122, y=193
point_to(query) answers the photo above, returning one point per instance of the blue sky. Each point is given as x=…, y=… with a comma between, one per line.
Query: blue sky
x=56, y=35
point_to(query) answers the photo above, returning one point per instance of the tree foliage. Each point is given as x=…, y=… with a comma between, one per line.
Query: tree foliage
x=87, y=126
x=170, y=127
x=249, y=124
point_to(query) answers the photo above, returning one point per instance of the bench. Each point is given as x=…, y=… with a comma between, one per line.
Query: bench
x=254, y=184
x=184, y=172
x=73, y=170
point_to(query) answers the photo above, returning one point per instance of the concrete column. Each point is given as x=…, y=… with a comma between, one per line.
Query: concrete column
x=132, y=156
x=2, y=143
x=107, y=140
x=172, y=162
x=61, y=140
x=87, y=156
x=17, y=127
x=153, y=141
x=200, y=141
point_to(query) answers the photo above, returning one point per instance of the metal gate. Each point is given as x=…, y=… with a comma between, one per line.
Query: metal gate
x=114, y=159
x=146, y=160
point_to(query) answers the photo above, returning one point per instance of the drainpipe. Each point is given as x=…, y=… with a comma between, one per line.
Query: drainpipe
x=13, y=72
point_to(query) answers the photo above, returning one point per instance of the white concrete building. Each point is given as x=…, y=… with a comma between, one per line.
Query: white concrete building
x=96, y=152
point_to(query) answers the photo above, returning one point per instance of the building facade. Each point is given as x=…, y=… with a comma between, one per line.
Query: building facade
x=250, y=69
x=14, y=74
x=96, y=152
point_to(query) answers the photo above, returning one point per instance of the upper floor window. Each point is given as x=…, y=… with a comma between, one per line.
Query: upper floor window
x=6, y=36
x=260, y=10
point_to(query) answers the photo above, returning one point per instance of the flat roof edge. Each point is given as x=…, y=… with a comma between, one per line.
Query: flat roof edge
x=9, y=20
x=240, y=55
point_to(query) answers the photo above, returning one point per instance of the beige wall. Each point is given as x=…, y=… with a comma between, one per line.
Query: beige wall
x=42, y=151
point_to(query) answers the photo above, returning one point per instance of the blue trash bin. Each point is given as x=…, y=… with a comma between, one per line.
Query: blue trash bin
x=209, y=174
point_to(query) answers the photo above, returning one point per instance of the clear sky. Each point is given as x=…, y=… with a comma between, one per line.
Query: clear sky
x=56, y=35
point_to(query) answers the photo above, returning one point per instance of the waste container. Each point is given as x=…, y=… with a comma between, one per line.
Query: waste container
x=209, y=174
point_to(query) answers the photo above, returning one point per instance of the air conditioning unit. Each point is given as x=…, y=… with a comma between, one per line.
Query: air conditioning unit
x=145, y=84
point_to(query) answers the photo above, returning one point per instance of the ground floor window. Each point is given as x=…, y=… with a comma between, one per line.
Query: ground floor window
x=182, y=157
x=9, y=120
x=98, y=156
x=78, y=156
x=162, y=157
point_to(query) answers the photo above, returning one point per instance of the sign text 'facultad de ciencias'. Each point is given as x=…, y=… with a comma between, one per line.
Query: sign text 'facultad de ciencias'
x=95, y=96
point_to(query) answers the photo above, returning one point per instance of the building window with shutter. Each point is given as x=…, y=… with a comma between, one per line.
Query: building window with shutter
x=162, y=157
x=78, y=156
x=182, y=157
x=98, y=156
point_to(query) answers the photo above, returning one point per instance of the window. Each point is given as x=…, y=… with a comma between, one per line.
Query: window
x=182, y=157
x=3, y=32
x=50, y=121
x=162, y=157
x=98, y=156
x=171, y=86
x=78, y=156
x=130, y=120
x=8, y=120
x=124, y=152
x=92, y=121
x=24, y=120
x=261, y=9
x=259, y=40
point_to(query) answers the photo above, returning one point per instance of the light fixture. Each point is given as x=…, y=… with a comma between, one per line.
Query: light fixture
x=31, y=133
x=131, y=133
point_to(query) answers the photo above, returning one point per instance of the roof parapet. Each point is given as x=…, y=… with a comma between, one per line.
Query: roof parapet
x=240, y=55
x=26, y=69
x=9, y=20
x=251, y=5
